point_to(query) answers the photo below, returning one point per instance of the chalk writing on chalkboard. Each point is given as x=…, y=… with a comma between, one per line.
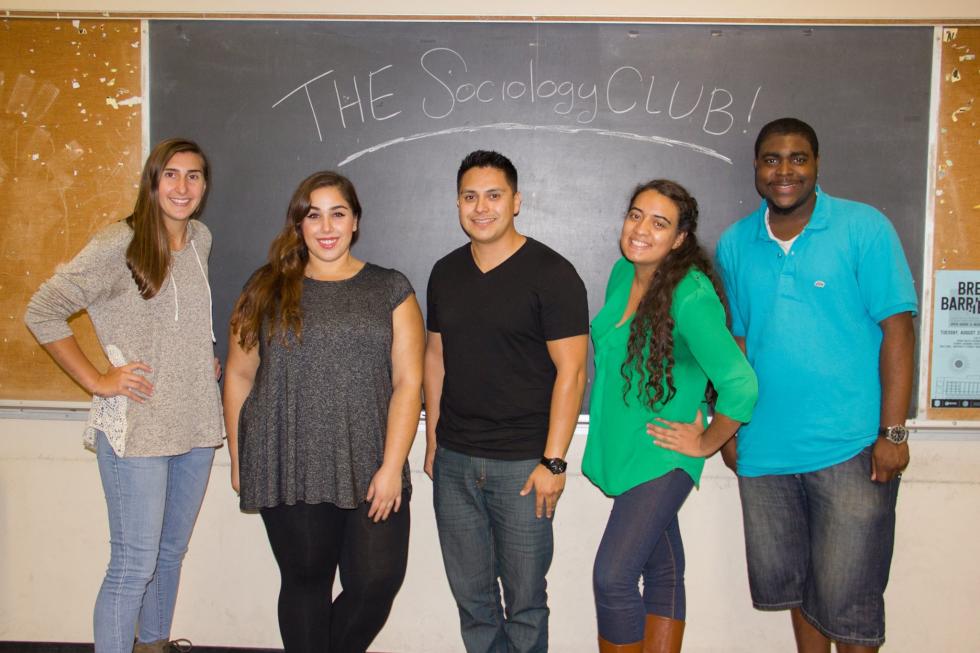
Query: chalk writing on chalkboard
x=448, y=87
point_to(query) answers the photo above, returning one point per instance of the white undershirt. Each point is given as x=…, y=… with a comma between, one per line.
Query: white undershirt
x=784, y=244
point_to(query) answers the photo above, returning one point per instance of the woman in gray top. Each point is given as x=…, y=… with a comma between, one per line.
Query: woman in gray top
x=322, y=402
x=156, y=412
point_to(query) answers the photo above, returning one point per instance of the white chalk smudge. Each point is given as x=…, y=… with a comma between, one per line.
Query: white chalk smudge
x=963, y=109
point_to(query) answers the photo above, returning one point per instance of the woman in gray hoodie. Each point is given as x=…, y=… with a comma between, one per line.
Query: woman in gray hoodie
x=156, y=412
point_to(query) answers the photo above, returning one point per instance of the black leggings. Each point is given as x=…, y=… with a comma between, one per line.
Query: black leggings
x=309, y=543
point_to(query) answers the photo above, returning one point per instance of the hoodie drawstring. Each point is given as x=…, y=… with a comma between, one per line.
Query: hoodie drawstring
x=204, y=274
x=208, y=284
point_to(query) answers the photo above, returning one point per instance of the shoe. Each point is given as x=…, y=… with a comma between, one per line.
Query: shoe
x=164, y=646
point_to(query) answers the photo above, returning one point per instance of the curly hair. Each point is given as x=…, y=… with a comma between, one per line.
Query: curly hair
x=272, y=295
x=652, y=327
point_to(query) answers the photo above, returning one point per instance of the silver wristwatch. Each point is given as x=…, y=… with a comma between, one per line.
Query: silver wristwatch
x=895, y=434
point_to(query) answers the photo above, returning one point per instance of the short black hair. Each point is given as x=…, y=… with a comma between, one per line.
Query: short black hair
x=488, y=159
x=788, y=126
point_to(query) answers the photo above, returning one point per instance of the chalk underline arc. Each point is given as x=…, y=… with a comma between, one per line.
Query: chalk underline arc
x=558, y=129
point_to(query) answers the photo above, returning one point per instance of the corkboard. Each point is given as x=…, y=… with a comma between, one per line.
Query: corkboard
x=70, y=159
x=957, y=207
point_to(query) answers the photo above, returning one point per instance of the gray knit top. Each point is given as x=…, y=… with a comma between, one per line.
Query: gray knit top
x=313, y=427
x=171, y=332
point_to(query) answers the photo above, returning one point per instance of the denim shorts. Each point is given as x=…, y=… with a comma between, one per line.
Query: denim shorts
x=822, y=541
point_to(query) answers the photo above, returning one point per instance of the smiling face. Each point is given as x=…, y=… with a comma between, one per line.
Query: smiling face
x=328, y=229
x=786, y=175
x=181, y=187
x=487, y=205
x=650, y=230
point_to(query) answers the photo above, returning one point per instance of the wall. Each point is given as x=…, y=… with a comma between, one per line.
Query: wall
x=53, y=536
x=54, y=546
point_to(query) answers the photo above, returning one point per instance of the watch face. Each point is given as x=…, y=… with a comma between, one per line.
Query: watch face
x=897, y=434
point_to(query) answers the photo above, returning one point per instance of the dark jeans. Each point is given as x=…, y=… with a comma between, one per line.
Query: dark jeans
x=309, y=543
x=488, y=531
x=642, y=539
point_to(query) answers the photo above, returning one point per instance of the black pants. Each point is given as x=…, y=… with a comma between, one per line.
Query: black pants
x=309, y=543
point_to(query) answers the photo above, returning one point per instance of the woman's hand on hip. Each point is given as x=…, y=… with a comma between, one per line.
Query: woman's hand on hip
x=682, y=437
x=125, y=381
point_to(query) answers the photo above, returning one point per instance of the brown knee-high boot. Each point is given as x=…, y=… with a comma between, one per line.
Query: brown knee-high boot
x=662, y=634
x=609, y=647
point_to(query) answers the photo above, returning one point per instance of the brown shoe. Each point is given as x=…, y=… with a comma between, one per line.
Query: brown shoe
x=609, y=647
x=662, y=634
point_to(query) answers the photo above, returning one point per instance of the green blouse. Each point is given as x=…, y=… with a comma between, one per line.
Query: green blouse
x=619, y=454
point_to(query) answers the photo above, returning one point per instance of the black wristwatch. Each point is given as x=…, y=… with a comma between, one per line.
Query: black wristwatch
x=555, y=465
x=895, y=434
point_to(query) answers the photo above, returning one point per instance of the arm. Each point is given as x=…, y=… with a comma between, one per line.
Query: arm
x=691, y=438
x=896, y=367
x=83, y=282
x=701, y=324
x=568, y=355
x=435, y=371
x=122, y=380
x=408, y=342
x=239, y=379
x=729, y=450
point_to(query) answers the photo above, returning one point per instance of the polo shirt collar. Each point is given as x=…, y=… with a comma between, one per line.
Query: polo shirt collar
x=818, y=220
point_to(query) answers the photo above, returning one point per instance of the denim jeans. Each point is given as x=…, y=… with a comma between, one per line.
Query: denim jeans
x=642, y=539
x=822, y=541
x=488, y=532
x=153, y=503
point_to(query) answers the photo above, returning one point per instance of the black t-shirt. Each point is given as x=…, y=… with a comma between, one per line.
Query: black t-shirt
x=496, y=394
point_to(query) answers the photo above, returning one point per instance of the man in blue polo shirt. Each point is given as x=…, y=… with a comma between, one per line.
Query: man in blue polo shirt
x=822, y=299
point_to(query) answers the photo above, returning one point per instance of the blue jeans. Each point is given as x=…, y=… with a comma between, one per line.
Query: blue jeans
x=642, y=539
x=822, y=541
x=153, y=503
x=488, y=532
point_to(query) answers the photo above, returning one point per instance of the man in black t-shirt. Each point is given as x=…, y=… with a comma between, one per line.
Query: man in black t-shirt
x=504, y=377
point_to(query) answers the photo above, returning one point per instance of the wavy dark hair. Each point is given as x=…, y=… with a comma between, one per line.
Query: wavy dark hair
x=148, y=253
x=272, y=295
x=652, y=328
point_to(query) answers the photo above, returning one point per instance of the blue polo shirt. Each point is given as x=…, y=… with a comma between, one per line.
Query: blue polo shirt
x=810, y=320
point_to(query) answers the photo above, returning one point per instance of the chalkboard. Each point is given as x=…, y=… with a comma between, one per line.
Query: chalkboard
x=585, y=111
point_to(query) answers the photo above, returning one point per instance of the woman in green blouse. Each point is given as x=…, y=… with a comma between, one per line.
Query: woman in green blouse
x=659, y=340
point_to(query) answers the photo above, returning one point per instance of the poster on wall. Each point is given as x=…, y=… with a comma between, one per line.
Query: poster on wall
x=956, y=340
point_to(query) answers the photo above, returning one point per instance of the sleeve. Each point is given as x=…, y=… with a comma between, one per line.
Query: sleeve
x=725, y=264
x=564, y=304
x=399, y=288
x=431, y=302
x=883, y=275
x=203, y=236
x=76, y=285
x=701, y=323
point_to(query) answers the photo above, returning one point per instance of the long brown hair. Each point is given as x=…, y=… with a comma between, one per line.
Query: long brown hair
x=148, y=254
x=652, y=327
x=272, y=295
